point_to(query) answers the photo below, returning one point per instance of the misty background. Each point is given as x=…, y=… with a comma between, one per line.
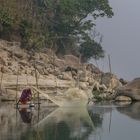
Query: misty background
x=121, y=39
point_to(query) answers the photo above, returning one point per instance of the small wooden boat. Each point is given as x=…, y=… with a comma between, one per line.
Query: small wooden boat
x=29, y=105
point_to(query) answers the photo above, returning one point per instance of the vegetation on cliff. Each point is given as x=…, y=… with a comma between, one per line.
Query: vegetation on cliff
x=63, y=25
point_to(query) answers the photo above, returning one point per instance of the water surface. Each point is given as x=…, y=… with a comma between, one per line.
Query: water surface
x=98, y=122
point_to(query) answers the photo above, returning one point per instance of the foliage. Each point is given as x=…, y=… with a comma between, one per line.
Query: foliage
x=62, y=25
x=89, y=49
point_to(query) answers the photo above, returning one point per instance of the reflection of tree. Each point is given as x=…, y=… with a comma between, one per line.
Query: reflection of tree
x=131, y=110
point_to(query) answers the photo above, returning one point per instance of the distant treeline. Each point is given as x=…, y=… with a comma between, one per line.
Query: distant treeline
x=66, y=26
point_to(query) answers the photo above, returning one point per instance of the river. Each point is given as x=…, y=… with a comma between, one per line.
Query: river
x=98, y=122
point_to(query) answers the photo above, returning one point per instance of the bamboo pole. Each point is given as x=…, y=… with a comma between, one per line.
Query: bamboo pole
x=54, y=70
x=109, y=60
x=36, y=77
x=27, y=79
x=17, y=83
x=78, y=82
x=110, y=70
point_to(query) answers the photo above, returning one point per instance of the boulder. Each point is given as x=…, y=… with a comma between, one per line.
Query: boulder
x=5, y=70
x=124, y=82
x=2, y=61
x=40, y=70
x=59, y=63
x=19, y=53
x=67, y=76
x=99, y=87
x=93, y=69
x=123, y=98
x=90, y=81
x=110, y=81
x=83, y=77
x=23, y=63
x=72, y=60
x=44, y=58
x=83, y=85
x=132, y=90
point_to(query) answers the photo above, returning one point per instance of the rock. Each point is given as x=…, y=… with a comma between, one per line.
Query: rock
x=96, y=86
x=10, y=63
x=46, y=72
x=44, y=58
x=50, y=71
x=57, y=72
x=59, y=63
x=124, y=82
x=60, y=76
x=93, y=69
x=102, y=87
x=90, y=81
x=83, y=77
x=67, y=76
x=2, y=61
x=131, y=90
x=72, y=60
x=39, y=63
x=19, y=53
x=110, y=81
x=40, y=70
x=83, y=85
x=5, y=70
x=123, y=98
x=23, y=63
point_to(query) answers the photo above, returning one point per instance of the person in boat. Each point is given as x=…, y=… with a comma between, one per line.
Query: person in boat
x=26, y=96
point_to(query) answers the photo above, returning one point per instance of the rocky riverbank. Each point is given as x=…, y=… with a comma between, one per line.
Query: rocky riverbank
x=52, y=73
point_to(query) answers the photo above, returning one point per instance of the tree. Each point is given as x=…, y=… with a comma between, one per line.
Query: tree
x=70, y=25
x=63, y=25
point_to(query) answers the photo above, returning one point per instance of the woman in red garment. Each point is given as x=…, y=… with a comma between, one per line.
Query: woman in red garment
x=26, y=96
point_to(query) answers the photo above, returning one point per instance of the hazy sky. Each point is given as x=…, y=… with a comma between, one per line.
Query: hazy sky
x=122, y=38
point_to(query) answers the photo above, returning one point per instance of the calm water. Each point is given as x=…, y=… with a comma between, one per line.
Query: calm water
x=99, y=122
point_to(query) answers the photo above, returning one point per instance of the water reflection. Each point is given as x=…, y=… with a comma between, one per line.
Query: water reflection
x=26, y=115
x=71, y=123
x=51, y=124
x=66, y=124
x=131, y=110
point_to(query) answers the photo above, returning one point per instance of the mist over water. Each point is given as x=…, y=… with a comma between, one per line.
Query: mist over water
x=121, y=39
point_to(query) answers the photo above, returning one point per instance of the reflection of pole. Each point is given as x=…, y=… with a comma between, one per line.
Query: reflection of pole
x=110, y=120
x=38, y=135
x=16, y=119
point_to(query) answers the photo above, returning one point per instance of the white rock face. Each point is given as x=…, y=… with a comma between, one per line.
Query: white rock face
x=51, y=72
